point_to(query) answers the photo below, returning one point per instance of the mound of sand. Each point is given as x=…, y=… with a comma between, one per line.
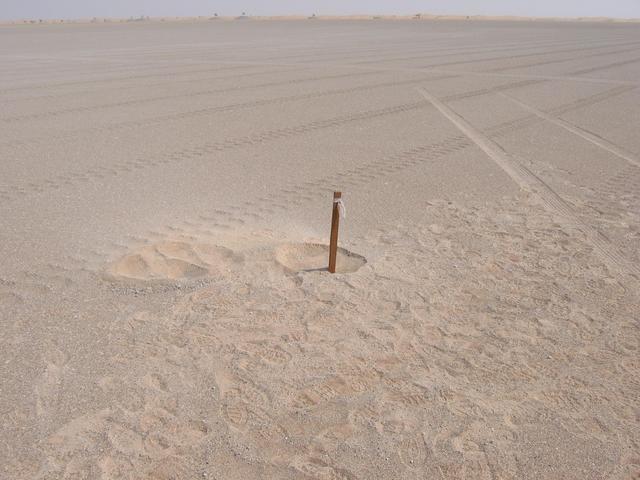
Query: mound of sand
x=172, y=260
x=301, y=257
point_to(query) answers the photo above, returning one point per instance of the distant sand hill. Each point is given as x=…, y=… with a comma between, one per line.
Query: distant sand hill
x=420, y=16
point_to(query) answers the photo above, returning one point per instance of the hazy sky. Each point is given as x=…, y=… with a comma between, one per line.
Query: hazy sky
x=14, y=9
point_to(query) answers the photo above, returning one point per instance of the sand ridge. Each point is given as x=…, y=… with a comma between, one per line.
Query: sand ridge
x=174, y=261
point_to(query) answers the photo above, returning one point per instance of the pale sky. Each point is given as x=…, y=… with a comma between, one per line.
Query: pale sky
x=16, y=9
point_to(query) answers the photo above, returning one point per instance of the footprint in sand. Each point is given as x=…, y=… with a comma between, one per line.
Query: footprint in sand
x=10, y=299
x=48, y=386
x=175, y=261
x=172, y=467
x=234, y=409
x=308, y=257
x=413, y=451
x=317, y=468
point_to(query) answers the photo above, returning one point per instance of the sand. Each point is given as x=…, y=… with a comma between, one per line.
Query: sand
x=165, y=201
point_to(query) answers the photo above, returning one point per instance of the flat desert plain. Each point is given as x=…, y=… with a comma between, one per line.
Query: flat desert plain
x=165, y=204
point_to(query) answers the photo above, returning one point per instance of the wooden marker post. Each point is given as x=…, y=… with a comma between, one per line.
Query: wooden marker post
x=335, y=224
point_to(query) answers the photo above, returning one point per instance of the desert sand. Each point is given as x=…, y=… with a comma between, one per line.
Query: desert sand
x=165, y=202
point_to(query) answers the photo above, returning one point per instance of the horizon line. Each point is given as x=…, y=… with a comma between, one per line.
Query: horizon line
x=356, y=16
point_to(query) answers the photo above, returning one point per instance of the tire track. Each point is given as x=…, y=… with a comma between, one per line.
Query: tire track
x=438, y=48
x=13, y=192
x=517, y=84
x=322, y=52
x=296, y=194
x=515, y=47
x=523, y=55
x=66, y=65
x=520, y=123
x=607, y=66
x=45, y=70
x=119, y=79
x=530, y=182
x=126, y=64
x=480, y=50
x=488, y=90
x=184, y=95
x=100, y=172
x=178, y=116
x=148, y=85
x=207, y=70
x=614, y=205
x=585, y=102
x=140, y=101
x=623, y=185
x=225, y=108
x=588, y=136
x=550, y=62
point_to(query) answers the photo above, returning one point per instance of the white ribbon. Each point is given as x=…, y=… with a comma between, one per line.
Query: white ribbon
x=341, y=210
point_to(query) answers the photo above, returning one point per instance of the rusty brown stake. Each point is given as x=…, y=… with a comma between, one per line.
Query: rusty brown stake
x=335, y=224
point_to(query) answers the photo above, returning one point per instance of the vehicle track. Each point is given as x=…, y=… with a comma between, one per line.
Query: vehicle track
x=222, y=108
x=26, y=144
x=517, y=84
x=613, y=205
x=532, y=183
x=292, y=194
x=140, y=101
x=13, y=192
x=4, y=91
x=377, y=51
x=296, y=194
x=623, y=185
x=507, y=127
x=485, y=91
x=100, y=172
x=606, y=66
x=584, y=134
x=551, y=62
x=148, y=85
x=523, y=55
x=494, y=49
x=46, y=71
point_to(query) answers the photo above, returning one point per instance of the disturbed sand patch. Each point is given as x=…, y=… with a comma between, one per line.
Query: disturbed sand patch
x=186, y=259
x=175, y=260
x=474, y=346
x=305, y=257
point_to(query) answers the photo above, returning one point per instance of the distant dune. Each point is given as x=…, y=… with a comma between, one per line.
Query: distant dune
x=312, y=16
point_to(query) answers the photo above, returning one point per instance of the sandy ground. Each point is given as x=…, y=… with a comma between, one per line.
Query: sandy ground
x=165, y=197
